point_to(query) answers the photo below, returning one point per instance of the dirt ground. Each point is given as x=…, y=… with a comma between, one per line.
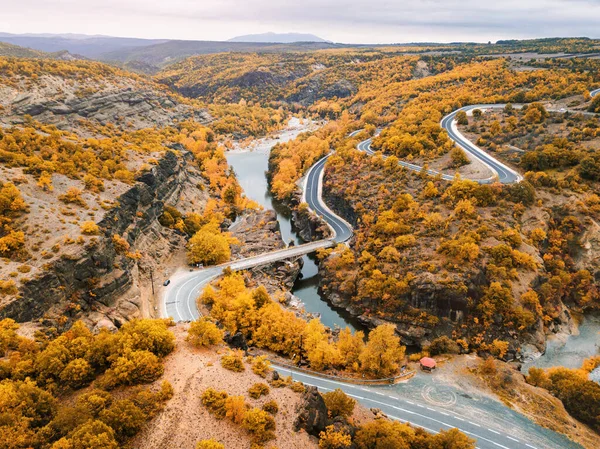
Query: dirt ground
x=185, y=421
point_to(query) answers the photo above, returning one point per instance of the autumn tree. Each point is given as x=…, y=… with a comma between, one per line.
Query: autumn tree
x=203, y=332
x=383, y=352
x=339, y=403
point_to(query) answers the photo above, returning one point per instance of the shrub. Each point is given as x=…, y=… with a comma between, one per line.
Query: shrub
x=203, y=332
x=257, y=390
x=271, y=407
x=215, y=401
x=233, y=362
x=443, y=345
x=458, y=158
x=77, y=373
x=261, y=366
x=297, y=387
x=209, y=444
x=332, y=439
x=260, y=424
x=124, y=417
x=339, y=403
x=134, y=367
x=89, y=228
x=73, y=196
x=235, y=408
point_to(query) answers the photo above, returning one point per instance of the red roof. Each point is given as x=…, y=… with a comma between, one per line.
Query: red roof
x=427, y=362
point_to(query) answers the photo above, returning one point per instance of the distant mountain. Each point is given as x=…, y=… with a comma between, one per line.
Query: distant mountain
x=279, y=38
x=88, y=46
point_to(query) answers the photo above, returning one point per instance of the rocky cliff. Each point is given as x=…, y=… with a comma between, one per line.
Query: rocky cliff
x=99, y=274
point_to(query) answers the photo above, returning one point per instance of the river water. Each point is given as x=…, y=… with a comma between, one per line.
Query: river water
x=250, y=165
x=570, y=350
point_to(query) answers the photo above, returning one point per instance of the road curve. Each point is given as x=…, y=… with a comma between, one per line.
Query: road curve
x=433, y=418
x=312, y=195
x=502, y=172
x=179, y=297
x=595, y=92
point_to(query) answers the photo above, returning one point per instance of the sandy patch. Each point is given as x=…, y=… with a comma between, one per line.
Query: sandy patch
x=185, y=421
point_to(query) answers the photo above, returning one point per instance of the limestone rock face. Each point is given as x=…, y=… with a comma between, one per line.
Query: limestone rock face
x=312, y=413
x=97, y=274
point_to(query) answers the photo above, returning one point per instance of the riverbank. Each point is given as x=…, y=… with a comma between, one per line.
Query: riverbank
x=250, y=163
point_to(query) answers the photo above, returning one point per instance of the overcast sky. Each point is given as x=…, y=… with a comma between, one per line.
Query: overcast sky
x=352, y=21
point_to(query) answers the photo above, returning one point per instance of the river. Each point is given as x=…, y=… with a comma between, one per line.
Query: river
x=250, y=165
x=570, y=350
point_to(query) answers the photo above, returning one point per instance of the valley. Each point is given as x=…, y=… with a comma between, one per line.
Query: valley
x=176, y=242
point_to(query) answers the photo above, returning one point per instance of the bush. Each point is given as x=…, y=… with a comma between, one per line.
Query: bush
x=332, y=439
x=271, y=407
x=135, y=367
x=260, y=424
x=339, y=403
x=124, y=417
x=297, y=387
x=443, y=345
x=215, y=401
x=233, y=362
x=235, y=408
x=89, y=228
x=77, y=373
x=203, y=332
x=261, y=366
x=458, y=158
x=209, y=444
x=258, y=390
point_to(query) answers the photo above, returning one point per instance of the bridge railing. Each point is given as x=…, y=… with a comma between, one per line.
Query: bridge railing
x=351, y=380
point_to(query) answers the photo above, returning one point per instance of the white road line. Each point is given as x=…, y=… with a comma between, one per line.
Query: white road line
x=511, y=438
x=492, y=430
x=411, y=403
x=529, y=445
x=475, y=424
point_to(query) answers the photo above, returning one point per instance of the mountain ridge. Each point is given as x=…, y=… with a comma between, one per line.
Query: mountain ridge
x=278, y=38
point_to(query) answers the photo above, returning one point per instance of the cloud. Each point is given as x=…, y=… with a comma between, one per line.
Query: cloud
x=375, y=21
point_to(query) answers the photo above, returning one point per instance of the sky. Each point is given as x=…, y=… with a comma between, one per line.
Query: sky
x=348, y=21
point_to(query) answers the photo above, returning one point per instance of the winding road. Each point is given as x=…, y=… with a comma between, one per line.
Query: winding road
x=179, y=302
x=595, y=92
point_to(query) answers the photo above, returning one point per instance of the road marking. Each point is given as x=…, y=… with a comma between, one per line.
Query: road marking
x=429, y=408
x=456, y=417
x=475, y=424
x=529, y=445
x=411, y=403
x=492, y=430
x=420, y=415
x=379, y=393
x=444, y=413
x=511, y=438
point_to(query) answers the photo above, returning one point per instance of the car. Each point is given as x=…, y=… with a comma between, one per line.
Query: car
x=563, y=110
x=167, y=282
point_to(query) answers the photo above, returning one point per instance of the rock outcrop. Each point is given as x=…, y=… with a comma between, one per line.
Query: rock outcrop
x=312, y=413
x=97, y=274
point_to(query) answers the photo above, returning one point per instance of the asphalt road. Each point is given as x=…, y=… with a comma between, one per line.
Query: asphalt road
x=504, y=174
x=595, y=92
x=365, y=146
x=179, y=297
x=312, y=195
x=419, y=412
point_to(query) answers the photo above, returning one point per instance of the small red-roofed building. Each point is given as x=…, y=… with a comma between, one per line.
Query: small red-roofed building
x=427, y=364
